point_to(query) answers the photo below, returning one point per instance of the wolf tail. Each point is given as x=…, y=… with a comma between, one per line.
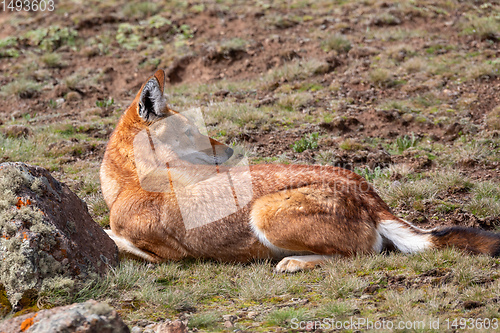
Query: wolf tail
x=410, y=239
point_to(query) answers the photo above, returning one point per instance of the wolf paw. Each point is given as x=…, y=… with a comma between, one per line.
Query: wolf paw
x=289, y=265
x=299, y=263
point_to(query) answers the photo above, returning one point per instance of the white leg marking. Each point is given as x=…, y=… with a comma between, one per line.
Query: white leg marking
x=379, y=243
x=124, y=245
x=404, y=237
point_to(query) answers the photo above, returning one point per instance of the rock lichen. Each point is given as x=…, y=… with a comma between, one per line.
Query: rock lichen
x=47, y=237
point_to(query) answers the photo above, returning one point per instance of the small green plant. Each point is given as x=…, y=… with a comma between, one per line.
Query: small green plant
x=128, y=36
x=404, y=142
x=158, y=21
x=370, y=174
x=446, y=207
x=292, y=102
x=6, y=48
x=310, y=86
x=105, y=103
x=52, y=104
x=8, y=42
x=185, y=31
x=414, y=65
x=50, y=39
x=98, y=209
x=337, y=43
x=197, y=8
x=307, y=142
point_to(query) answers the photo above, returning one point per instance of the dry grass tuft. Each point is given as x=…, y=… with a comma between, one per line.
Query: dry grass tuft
x=381, y=77
x=415, y=65
x=337, y=43
x=493, y=119
x=482, y=27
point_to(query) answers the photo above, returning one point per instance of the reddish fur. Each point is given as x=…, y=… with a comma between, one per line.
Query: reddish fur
x=316, y=209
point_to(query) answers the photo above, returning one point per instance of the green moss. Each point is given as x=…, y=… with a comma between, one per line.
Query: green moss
x=5, y=306
x=28, y=298
x=24, y=311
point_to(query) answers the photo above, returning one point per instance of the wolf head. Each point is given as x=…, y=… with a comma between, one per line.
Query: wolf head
x=173, y=130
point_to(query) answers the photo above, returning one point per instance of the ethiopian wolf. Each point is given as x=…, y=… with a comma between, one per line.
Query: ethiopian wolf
x=171, y=196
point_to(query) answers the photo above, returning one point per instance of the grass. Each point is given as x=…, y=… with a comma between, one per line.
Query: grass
x=23, y=88
x=484, y=70
x=295, y=70
x=381, y=77
x=98, y=209
x=284, y=317
x=414, y=65
x=171, y=287
x=294, y=101
x=350, y=145
x=421, y=189
x=482, y=27
x=52, y=60
x=336, y=43
x=232, y=116
x=141, y=10
x=234, y=44
x=493, y=119
x=486, y=199
x=206, y=320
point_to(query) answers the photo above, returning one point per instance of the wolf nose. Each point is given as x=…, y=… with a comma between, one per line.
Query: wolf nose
x=229, y=152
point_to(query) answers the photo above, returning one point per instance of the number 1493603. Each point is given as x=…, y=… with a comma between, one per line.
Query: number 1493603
x=27, y=5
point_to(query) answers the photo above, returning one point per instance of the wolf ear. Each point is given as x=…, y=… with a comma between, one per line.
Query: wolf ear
x=152, y=102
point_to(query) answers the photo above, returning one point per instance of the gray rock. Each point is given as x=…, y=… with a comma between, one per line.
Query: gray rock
x=47, y=236
x=88, y=317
